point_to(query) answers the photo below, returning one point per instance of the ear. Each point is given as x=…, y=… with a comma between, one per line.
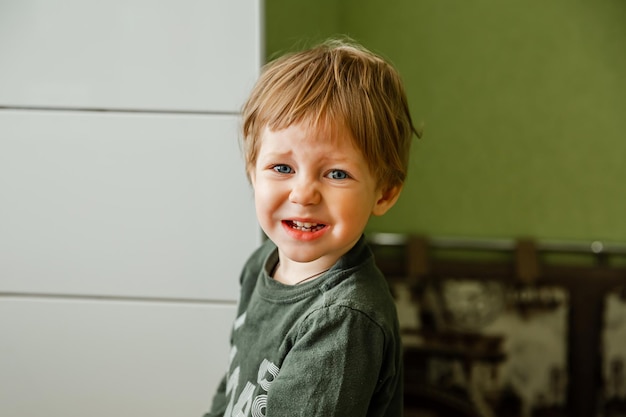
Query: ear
x=388, y=198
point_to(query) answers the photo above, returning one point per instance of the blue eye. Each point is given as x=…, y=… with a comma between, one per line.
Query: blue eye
x=282, y=169
x=338, y=175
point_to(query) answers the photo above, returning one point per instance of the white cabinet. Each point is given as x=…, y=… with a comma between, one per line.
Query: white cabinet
x=125, y=212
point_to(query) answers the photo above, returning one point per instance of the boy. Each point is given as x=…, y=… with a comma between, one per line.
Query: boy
x=326, y=138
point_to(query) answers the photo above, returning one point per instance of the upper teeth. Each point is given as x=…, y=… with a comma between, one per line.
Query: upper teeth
x=304, y=224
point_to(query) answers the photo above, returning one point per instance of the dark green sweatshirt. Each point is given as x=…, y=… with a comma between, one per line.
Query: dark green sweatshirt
x=328, y=347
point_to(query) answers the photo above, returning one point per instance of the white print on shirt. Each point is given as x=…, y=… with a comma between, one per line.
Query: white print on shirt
x=240, y=321
x=246, y=405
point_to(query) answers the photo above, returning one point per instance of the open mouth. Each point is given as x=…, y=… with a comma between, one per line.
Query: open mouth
x=304, y=226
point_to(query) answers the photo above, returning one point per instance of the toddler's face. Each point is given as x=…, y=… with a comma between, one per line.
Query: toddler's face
x=314, y=193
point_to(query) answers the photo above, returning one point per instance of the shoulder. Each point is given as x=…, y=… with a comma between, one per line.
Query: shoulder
x=359, y=283
x=361, y=313
x=365, y=290
x=257, y=260
x=360, y=290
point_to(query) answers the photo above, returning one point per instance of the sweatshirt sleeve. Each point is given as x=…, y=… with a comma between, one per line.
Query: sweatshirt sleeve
x=218, y=406
x=333, y=368
x=247, y=281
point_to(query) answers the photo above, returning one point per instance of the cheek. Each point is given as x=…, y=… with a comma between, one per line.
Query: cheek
x=265, y=197
x=259, y=197
x=355, y=208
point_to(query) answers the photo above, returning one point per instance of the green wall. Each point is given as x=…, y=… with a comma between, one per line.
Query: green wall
x=523, y=105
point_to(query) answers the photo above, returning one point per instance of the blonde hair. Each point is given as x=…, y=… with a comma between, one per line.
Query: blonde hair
x=335, y=83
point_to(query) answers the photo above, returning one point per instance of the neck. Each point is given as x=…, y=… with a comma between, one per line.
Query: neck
x=281, y=275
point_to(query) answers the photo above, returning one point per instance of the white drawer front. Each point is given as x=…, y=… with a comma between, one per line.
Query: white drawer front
x=189, y=55
x=103, y=359
x=123, y=205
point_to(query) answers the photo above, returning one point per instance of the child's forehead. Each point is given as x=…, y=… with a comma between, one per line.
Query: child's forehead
x=328, y=133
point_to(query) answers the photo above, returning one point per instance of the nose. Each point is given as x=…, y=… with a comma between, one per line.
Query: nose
x=305, y=192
